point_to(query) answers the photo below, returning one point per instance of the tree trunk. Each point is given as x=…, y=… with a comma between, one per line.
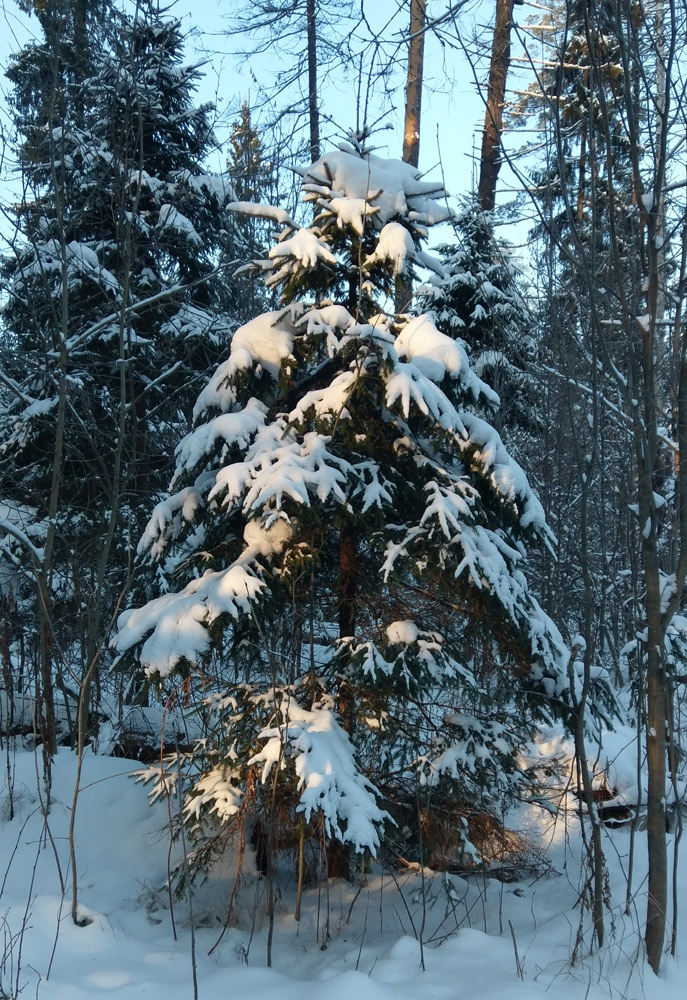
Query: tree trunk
x=657, y=711
x=657, y=904
x=312, y=82
x=656, y=716
x=416, y=55
x=411, y=129
x=490, y=162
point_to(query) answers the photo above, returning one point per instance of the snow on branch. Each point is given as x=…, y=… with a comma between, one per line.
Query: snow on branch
x=20, y=536
x=171, y=218
x=328, y=778
x=437, y=355
x=222, y=433
x=301, y=253
x=270, y=212
x=175, y=628
x=394, y=188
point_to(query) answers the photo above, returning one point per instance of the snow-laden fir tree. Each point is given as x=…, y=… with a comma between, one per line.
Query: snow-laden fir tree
x=339, y=516
x=113, y=309
x=253, y=180
x=478, y=301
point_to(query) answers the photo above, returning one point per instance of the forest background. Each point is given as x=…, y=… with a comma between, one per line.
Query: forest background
x=544, y=402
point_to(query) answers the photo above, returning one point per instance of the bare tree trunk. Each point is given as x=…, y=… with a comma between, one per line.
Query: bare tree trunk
x=658, y=708
x=416, y=57
x=490, y=162
x=656, y=715
x=312, y=82
x=411, y=128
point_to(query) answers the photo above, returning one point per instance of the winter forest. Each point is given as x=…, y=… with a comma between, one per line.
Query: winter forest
x=343, y=522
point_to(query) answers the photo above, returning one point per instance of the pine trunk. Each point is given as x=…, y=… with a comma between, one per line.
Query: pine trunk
x=411, y=130
x=490, y=162
x=657, y=904
x=416, y=56
x=312, y=82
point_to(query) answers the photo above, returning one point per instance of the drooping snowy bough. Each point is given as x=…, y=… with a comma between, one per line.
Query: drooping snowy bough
x=344, y=543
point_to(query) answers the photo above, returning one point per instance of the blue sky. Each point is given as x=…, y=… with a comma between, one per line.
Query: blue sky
x=452, y=111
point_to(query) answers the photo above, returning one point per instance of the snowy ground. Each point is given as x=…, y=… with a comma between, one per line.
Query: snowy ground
x=128, y=949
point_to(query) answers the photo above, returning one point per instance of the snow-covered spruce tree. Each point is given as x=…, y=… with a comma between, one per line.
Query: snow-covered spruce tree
x=113, y=309
x=478, y=301
x=253, y=181
x=340, y=515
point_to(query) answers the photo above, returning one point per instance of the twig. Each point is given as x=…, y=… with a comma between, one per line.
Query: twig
x=518, y=963
x=407, y=908
x=362, y=937
x=187, y=876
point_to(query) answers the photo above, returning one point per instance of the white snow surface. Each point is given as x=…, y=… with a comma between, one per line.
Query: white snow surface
x=82, y=262
x=357, y=939
x=306, y=247
x=230, y=429
x=402, y=633
x=267, y=340
x=395, y=245
x=176, y=623
x=437, y=355
x=271, y=212
x=218, y=184
x=171, y=218
x=351, y=212
x=269, y=539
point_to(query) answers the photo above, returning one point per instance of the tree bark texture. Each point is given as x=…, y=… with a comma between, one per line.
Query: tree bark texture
x=312, y=82
x=416, y=57
x=657, y=904
x=411, y=128
x=490, y=162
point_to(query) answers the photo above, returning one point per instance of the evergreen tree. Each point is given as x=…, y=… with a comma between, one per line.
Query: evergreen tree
x=340, y=519
x=477, y=300
x=588, y=253
x=252, y=178
x=115, y=305
x=605, y=264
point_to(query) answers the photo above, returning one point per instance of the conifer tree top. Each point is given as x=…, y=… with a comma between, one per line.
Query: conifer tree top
x=329, y=405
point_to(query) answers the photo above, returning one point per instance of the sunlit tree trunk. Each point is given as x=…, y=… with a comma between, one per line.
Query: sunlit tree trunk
x=416, y=57
x=413, y=111
x=490, y=161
